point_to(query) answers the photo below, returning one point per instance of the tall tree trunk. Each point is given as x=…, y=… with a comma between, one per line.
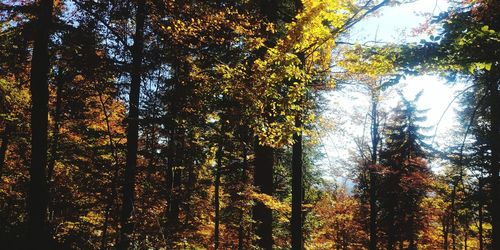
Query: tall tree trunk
x=466, y=230
x=114, y=193
x=5, y=144
x=173, y=180
x=191, y=181
x=452, y=219
x=176, y=147
x=263, y=181
x=480, y=228
x=495, y=156
x=244, y=179
x=264, y=155
x=54, y=145
x=217, y=202
x=175, y=199
x=445, y=232
x=241, y=233
x=297, y=185
x=55, y=131
x=169, y=175
x=413, y=235
x=133, y=128
x=372, y=170
x=391, y=237
x=40, y=67
x=481, y=216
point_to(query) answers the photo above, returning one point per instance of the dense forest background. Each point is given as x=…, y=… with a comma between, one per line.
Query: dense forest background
x=186, y=124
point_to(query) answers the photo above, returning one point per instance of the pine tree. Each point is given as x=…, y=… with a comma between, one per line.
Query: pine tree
x=405, y=176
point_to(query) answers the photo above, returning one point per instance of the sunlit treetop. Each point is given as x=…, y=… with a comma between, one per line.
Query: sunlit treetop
x=366, y=65
x=301, y=56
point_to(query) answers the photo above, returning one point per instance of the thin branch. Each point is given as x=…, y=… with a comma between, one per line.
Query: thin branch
x=446, y=110
x=106, y=24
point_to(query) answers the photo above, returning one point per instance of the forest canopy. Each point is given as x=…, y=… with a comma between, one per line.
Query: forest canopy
x=176, y=124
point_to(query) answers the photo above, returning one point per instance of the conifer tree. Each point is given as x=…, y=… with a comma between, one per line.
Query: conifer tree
x=405, y=176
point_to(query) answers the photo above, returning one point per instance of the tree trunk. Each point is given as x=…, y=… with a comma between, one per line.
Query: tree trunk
x=191, y=181
x=263, y=181
x=175, y=198
x=372, y=170
x=244, y=179
x=480, y=216
x=176, y=147
x=133, y=128
x=40, y=67
x=452, y=216
x=466, y=229
x=445, y=232
x=481, y=240
x=413, y=235
x=297, y=185
x=55, y=132
x=297, y=188
x=5, y=144
x=264, y=155
x=173, y=180
x=495, y=157
x=217, y=202
x=169, y=175
x=241, y=233
x=391, y=237
x=114, y=193
x=54, y=145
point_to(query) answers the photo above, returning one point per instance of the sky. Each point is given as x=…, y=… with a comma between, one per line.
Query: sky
x=347, y=109
x=397, y=23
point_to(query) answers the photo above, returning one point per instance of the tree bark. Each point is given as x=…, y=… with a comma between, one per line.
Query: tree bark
x=264, y=155
x=133, y=128
x=392, y=237
x=480, y=215
x=5, y=144
x=445, y=224
x=494, y=102
x=413, y=235
x=297, y=184
x=55, y=132
x=40, y=67
x=373, y=180
x=114, y=193
x=452, y=219
x=263, y=181
x=244, y=179
x=175, y=147
x=217, y=202
x=297, y=187
x=480, y=229
x=175, y=199
x=466, y=229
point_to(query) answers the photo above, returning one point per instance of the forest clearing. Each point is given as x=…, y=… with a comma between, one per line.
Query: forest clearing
x=250, y=124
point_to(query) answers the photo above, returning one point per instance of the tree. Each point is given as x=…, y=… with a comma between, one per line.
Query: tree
x=337, y=224
x=375, y=73
x=191, y=124
x=133, y=127
x=40, y=67
x=405, y=178
x=468, y=46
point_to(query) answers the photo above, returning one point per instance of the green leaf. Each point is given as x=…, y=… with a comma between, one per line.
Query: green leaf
x=487, y=66
x=472, y=68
